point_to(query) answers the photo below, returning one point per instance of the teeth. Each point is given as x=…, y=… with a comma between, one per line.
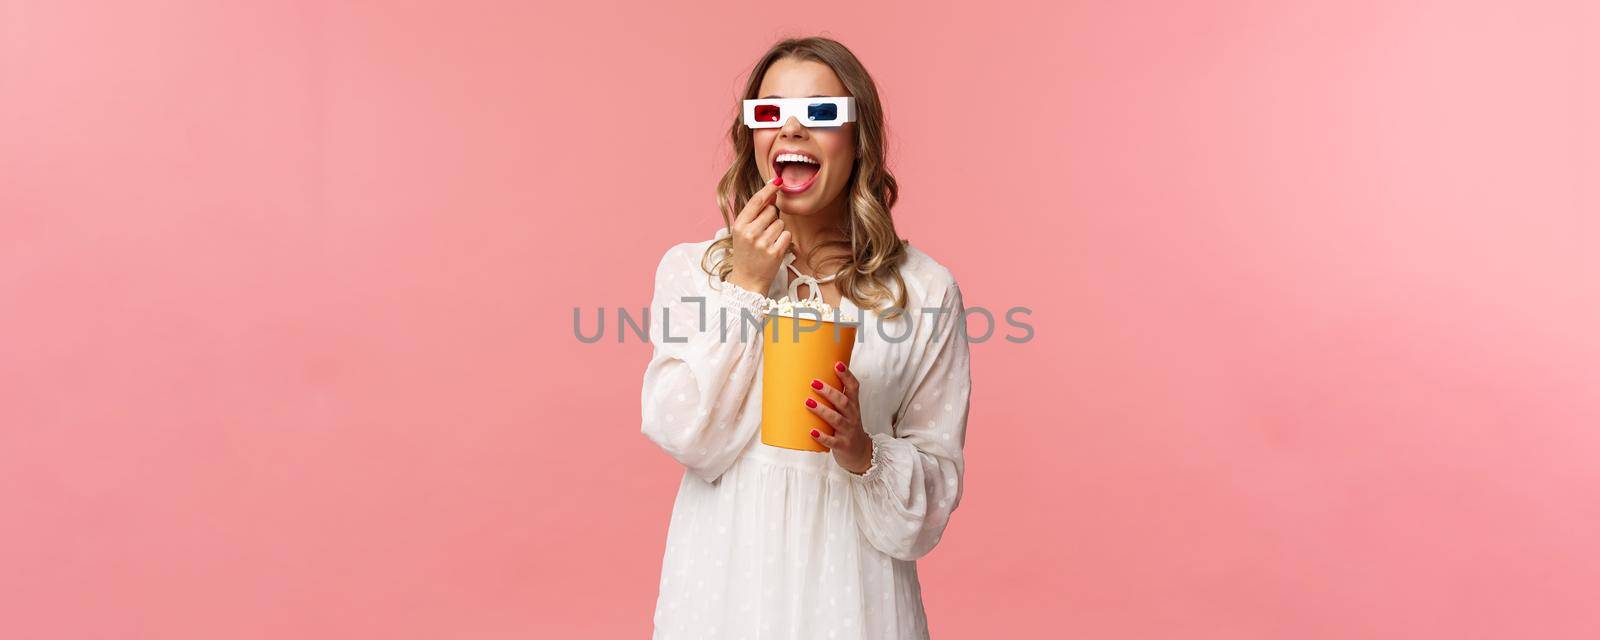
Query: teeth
x=794, y=157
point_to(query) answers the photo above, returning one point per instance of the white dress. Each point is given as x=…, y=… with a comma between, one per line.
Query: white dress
x=767, y=542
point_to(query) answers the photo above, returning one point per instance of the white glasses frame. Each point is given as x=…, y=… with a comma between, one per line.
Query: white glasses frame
x=800, y=109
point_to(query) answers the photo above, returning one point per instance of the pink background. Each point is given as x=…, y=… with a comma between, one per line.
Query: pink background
x=286, y=299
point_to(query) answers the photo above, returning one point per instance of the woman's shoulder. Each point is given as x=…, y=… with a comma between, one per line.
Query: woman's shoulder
x=927, y=278
x=690, y=250
x=685, y=259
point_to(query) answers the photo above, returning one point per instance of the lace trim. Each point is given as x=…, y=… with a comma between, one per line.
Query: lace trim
x=743, y=297
x=878, y=462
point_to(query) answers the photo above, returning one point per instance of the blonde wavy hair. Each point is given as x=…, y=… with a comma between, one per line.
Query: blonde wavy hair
x=876, y=251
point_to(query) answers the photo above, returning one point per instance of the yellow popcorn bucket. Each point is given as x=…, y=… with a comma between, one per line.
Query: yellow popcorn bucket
x=795, y=351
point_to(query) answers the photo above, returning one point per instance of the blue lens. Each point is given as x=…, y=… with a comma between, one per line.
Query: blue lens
x=824, y=112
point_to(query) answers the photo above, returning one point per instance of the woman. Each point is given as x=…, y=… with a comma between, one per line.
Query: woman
x=768, y=542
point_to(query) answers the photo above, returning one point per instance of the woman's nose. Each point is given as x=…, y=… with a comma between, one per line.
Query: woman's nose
x=792, y=128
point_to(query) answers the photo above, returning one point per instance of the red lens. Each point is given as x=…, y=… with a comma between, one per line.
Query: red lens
x=766, y=113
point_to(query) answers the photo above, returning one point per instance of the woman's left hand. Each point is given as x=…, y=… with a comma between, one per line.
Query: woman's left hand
x=850, y=444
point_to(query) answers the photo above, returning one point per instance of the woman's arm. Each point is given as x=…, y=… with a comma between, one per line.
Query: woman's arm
x=905, y=499
x=696, y=397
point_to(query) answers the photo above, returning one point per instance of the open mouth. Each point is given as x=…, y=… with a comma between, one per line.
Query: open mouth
x=798, y=170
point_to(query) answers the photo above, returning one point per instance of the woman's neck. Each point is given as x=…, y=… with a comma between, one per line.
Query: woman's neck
x=808, y=231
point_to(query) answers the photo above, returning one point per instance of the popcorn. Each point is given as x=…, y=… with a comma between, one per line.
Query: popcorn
x=787, y=307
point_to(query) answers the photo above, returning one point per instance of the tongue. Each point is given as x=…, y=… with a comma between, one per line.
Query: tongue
x=797, y=173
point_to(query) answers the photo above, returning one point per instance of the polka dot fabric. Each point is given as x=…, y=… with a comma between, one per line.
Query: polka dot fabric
x=770, y=543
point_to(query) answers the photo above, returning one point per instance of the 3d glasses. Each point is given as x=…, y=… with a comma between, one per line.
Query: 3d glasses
x=770, y=113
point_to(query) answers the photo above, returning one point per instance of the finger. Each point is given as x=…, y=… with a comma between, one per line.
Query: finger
x=757, y=228
x=768, y=195
x=839, y=399
x=828, y=415
x=768, y=214
x=760, y=200
x=783, y=240
x=826, y=440
x=847, y=379
x=754, y=229
x=771, y=234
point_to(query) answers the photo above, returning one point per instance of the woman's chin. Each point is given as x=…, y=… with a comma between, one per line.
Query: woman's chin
x=795, y=206
x=801, y=204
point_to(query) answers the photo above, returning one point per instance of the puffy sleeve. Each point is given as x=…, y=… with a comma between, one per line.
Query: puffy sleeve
x=904, y=500
x=696, y=402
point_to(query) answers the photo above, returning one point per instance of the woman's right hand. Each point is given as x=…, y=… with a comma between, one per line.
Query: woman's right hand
x=759, y=240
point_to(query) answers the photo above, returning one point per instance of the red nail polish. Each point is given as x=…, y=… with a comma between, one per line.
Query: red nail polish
x=838, y=366
x=814, y=433
x=816, y=384
x=777, y=181
x=811, y=403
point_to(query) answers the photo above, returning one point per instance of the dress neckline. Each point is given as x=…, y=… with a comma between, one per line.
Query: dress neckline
x=791, y=285
x=813, y=282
